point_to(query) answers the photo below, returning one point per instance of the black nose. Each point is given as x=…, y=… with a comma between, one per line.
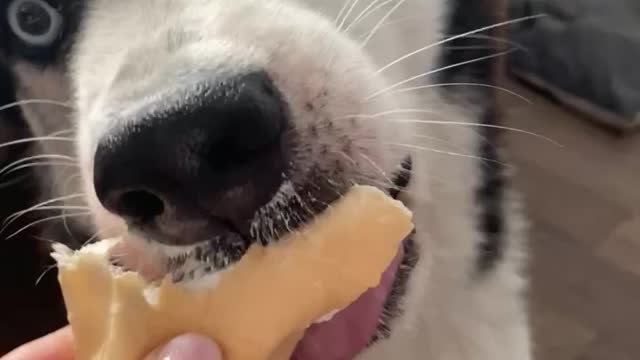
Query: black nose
x=199, y=164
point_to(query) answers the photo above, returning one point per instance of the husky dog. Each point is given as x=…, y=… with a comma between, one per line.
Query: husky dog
x=197, y=128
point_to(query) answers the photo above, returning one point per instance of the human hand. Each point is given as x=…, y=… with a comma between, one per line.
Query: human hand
x=59, y=346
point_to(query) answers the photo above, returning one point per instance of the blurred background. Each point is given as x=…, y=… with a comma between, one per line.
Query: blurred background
x=577, y=68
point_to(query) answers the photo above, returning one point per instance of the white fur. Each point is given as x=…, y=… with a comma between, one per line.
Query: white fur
x=130, y=52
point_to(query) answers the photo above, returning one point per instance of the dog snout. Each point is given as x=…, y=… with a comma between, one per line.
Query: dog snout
x=214, y=156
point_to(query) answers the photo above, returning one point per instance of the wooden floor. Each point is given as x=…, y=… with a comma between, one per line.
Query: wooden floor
x=584, y=202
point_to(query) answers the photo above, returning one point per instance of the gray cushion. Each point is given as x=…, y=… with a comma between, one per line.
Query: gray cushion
x=588, y=48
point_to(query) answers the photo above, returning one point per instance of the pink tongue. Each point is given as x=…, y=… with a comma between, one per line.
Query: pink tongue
x=348, y=333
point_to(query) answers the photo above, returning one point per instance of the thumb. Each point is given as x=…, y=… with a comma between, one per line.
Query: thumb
x=187, y=347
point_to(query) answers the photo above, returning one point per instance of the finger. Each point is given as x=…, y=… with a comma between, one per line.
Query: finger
x=55, y=346
x=187, y=347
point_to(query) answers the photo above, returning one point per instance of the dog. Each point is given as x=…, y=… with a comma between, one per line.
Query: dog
x=197, y=128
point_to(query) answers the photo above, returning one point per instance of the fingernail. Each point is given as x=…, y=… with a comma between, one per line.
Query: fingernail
x=190, y=347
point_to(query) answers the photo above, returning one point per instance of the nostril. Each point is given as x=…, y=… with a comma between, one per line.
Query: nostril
x=140, y=205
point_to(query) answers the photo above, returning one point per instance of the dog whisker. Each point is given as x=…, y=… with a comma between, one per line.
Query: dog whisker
x=36, y=157
x=44, y=273
x=36, y=139
x=455, y=37
x=444, y=152
x=440, y=141
x=435, y=71
x=14, y=181
x=41, y=221
x=40, y=164
x=389, y=112
x=379, y=24
x=44, y=203
x=346, y=17
x=62, y=132
x=97, y=234
x=377, y=167
x=369, y=10
x=32, y=102
x=344, y=8
x=477, y=125
x=445, y=183
x=387, y=183
x=44, y=240
x=401, y=19
x=64, y=188
x=68, y=181
x=442, y=122
x=435, y=86
x=499, y=40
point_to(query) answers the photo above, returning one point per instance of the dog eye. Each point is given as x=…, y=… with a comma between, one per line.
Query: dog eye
x=34, y=22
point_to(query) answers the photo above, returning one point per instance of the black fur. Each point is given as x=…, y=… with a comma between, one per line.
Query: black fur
x=402, y=178
x=12, y=48
x=7, y=95
x=490, y=196
x=11, y=122
x=469, y=15
x=465, y=16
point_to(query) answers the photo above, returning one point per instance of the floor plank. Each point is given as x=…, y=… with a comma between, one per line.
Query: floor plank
x=584, y=201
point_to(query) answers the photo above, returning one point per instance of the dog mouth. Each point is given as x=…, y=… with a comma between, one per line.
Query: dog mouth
x=346, y=333
x=339, y=335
